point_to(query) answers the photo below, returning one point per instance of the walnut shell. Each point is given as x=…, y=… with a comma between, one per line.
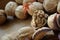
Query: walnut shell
x=19, y=12
x=38, y=19
x=40, y=33
x=21, y=34
x=34, y=6
x=26, y=32
x=54, y=21
x=10, y=8
x=50, y=5
x=2, y=16
x=58, y=7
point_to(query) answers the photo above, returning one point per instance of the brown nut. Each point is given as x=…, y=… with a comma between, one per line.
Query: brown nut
x=19, y=12
x=34, y=6
x=54, y=21
x=40, y=33
x=38, y=19
x=50, y=5
x=22, y=34
x=10, y=8
x=2, y=16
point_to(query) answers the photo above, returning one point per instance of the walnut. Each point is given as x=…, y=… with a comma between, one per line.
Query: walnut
x=54, y=21
x=50, y=5
x=10, y=8
x=38, y=19
x=41, y=33
x=20, y=13
x=35, y=6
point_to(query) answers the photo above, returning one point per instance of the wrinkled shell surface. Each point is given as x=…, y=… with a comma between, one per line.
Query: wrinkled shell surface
x=10, y=8
x=2, y=16
x=26, y=32
x=34, y=6
x=19, y=12
x=21, y=34
x=50, y=5
x=38, y=19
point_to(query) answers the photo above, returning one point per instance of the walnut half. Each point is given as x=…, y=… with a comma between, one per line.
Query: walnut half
x=38, y=19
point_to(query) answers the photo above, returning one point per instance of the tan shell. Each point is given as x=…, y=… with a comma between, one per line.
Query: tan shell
x=40, y=33
x=10, y=8
x=2, y=16
x=54, y=21
x=19, y=1
x=58, y=7
x=26, y=32
x=50, y=5
x=38, y=19
x=21, y=34
x=34, y=6
x=50, y=21
x=19, y=12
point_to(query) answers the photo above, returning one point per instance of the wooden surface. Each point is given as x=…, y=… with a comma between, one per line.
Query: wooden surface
x=13, y=25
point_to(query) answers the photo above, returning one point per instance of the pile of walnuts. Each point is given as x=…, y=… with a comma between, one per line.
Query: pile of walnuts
x=43, y=12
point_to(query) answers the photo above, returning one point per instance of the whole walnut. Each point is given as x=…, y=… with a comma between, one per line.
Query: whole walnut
x=54, y=21
x=10, y=8
x=19, y=12
x=38, y=19
x=35, y=6
x=50, y=5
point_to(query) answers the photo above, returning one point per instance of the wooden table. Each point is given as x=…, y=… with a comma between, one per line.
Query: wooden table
x=13, y=25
